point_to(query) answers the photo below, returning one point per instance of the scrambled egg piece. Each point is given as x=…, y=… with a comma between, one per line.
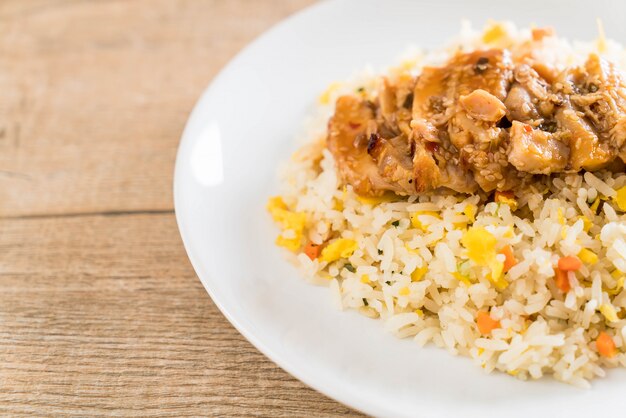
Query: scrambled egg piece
x=288, y=220
x=481, y=249
x=620, y=199
x=339, y=248
x=281, y=214
x=480, y=244
x=292, y=244
x=276, y=203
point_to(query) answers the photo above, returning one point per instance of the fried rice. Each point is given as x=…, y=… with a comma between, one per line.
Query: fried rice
x=475, y=275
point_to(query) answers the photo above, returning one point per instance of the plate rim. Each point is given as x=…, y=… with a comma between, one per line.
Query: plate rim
x=292, y=367
x=312, y=382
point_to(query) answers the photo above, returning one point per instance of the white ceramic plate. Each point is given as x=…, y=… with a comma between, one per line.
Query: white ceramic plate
x=240, y=130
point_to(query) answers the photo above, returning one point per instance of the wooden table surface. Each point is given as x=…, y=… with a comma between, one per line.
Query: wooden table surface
x=101, y=312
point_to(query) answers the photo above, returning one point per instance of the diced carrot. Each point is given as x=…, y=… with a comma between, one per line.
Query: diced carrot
x=312, y=250
x=570, y=263
x=561, y=280
x=509, y=260
x=485, y=323
x=540, y=33
x=605, y=345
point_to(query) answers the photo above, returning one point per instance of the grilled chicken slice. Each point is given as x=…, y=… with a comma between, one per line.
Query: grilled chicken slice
x=457, y=107
x=347, y=142
x=457, y=178
x=370, y=163
x=530, y=100
x=470, y=76
x=425, y=169
x=520, y=106
x=481, y=121
x=489, y=70
x=477, y=84
x=394, y=110
x=593, y=114
x=602, y=98
x=429, y=97
x=394, y=160
x=482, y=105
x=586, y=150
x=535, y=151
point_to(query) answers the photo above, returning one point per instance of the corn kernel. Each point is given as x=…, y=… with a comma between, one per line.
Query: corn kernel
x=588, y=256
x=418, y=274
x=470, y=212
x=587, y=224
x=620, y=198
x=609, y=312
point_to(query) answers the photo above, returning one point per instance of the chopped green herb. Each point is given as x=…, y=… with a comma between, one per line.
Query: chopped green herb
x=388, y=283
x=549, y=127
x=360, y=90
x=365, y=302
x=350, y=268
x=395, y=223
x=463, y=267
x=380, y=252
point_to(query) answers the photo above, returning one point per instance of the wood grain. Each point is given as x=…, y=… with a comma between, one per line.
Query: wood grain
x=101, y=312
x=95, y=95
